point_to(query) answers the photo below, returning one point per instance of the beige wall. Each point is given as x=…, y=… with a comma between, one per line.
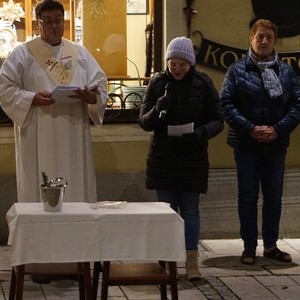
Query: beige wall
x=125, y=150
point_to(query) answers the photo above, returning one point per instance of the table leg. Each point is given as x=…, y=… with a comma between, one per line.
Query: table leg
x=96, y=274
x=173, y=280
x=13, y=282
x=81, y=287
x=87, y=280
x=105, y=280
x=20, y=270
x=163, y=287
x=163, y=292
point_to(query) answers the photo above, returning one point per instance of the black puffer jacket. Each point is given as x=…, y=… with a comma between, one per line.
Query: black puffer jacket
x=245, y=103
x=180, y=163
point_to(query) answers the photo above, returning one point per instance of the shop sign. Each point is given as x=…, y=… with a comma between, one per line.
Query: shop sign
x=218, y=56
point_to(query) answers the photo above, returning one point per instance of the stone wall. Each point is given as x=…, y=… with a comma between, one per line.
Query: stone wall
x=218, y=208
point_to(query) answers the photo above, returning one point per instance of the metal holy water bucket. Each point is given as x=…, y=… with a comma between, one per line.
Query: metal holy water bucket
x=53, y=194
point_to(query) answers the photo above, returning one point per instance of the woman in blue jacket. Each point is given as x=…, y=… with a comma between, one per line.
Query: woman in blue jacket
x=260, y=101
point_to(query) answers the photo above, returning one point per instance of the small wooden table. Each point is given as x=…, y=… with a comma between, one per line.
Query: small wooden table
x=136, y=274
x=139, y=231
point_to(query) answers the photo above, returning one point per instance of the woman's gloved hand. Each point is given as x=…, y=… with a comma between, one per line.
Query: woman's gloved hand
x=163, y=103
x=199, y=134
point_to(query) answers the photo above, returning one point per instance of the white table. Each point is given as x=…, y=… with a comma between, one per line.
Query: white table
x=147, y=231
x=137, y=231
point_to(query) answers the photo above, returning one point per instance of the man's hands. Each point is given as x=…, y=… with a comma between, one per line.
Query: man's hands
x=86, y=95
x=264, y=134
x=42, y=98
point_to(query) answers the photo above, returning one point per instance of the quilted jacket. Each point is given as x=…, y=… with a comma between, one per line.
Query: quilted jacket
x=245, y=102
x=180, y=163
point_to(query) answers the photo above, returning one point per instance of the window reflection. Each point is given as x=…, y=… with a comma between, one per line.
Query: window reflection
x=140, y=51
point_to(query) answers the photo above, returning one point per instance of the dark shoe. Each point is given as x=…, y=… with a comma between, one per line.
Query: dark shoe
x=279, y=255
x=248, y=257
x=41, y=279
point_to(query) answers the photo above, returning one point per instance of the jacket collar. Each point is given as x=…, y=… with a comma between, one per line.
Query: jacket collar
x=250, y=66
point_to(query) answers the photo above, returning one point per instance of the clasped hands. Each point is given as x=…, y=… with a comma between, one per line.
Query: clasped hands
x=86, y=95
x=264, y=134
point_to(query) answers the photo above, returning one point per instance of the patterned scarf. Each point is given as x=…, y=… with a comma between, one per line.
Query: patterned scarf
x=269, y=77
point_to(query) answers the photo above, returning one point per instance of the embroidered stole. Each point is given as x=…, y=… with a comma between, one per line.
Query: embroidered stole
x=59, y=70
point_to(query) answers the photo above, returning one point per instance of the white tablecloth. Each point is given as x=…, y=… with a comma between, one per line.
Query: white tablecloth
x=137, y=231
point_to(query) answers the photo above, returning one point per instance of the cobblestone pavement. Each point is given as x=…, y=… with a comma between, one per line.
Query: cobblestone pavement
x=224, y=277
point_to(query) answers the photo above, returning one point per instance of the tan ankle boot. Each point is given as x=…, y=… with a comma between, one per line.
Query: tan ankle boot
x=191, y=265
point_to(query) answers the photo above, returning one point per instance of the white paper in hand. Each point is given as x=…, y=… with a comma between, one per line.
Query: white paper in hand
x=179, y=130
x=61, y=94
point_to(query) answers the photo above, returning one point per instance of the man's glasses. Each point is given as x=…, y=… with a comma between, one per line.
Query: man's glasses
x=49, y=22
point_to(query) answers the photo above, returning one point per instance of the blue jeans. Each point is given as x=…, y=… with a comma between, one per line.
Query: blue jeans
x=260, y=165
x=188, y=205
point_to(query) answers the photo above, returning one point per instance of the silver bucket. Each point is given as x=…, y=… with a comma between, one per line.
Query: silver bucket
x=53, y=194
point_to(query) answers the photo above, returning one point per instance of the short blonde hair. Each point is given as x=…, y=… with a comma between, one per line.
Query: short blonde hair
x=265, y=24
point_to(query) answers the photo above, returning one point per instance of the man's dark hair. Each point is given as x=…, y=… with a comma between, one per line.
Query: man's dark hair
x=48, y=5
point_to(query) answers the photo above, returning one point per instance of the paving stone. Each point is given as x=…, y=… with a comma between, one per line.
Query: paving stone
x=221, y=288
x=288, y=269
x=294, y=243
x=38, y=295
x=29, y=286
x=193, y=294
x=5, y=275
x=113, y=291
x=61, y=285
x=1, y=293
x=296, y=278
x=62, y=295
x=230, y=247
x=141, y=292
x=286, y=292
x=247, y=288
x=275, y=280
x=233, y=271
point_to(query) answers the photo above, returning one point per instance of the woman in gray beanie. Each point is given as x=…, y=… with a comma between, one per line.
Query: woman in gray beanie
x=181, y=107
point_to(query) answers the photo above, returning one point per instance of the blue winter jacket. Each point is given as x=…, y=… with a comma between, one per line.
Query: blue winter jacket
x=245, y=102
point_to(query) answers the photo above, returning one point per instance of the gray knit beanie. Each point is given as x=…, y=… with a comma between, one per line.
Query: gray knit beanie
x=181, y=47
